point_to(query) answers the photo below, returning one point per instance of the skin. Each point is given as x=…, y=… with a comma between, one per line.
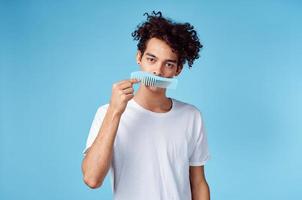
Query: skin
x=158, y=58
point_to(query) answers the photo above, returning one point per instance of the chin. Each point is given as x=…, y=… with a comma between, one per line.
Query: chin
x=156, y=89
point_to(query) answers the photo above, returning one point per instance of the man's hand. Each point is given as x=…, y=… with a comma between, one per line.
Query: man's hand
x=122, y=92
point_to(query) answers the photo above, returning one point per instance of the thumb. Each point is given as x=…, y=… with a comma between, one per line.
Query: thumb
x=134, y=80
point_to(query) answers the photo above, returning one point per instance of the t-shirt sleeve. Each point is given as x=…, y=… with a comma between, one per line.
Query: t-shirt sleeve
x=95, y=126
x=200, y=154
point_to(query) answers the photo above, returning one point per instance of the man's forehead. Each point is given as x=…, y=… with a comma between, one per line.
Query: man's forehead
x=158, y=44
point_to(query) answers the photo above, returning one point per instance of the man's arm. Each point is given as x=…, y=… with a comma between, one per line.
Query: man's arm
x=97, y=161
x=199, y=187
x=98, y=157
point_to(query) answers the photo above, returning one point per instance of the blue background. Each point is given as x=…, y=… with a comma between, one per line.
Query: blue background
x=59, y=60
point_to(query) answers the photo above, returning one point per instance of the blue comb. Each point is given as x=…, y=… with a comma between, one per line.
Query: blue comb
x=149, y=79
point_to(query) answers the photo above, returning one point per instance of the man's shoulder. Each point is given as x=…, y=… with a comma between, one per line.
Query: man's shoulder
x=102, y=108
x=185, y=106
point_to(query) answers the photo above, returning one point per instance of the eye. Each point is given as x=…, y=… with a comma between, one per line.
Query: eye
x=150, y=59
x=170, y=65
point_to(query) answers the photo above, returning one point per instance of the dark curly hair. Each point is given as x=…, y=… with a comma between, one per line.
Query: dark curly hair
x=179, y=36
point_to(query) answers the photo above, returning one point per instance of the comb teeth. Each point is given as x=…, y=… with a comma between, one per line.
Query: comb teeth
x=149, y=79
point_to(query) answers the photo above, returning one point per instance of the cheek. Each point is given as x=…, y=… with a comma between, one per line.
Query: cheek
x=145, y=66
x=171, y=73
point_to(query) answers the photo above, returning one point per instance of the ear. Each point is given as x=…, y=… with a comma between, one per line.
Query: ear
x=138, y=57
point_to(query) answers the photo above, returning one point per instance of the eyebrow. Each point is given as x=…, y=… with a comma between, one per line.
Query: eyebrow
x=168, y=60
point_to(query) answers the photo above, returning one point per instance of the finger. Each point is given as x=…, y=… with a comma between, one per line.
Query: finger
x=125, y=84
x=134, y=80
x=129, y=90
x=129, y=96
x=128, y=83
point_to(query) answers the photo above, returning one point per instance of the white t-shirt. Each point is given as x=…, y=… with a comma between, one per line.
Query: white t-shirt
x=153, y=151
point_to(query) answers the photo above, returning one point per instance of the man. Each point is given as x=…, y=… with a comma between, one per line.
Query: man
x=154, y=146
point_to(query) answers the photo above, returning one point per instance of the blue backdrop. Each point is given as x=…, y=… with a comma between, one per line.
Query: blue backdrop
x=59, y=60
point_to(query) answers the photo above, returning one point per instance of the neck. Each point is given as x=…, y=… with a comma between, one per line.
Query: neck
x=153, y=99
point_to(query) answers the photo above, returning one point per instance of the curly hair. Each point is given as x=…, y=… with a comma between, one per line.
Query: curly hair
x=181, y=37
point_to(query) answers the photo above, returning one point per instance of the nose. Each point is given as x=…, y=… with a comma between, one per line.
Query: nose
x=158, y=70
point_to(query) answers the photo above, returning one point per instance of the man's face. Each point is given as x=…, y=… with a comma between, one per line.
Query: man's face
x=159, y=59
